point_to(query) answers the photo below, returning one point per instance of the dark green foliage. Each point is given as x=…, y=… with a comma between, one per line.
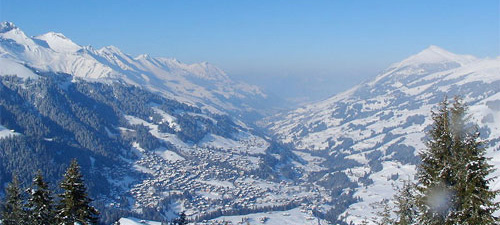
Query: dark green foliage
x=453, y=183
x=385, y=214
x=13, y=212
x=406, y=205
x=365, y=179
x=336, y=182
x=181, y=220
x=475, y=200
x=195, y=127
x=375, y=165
x=40, y=204
x=339, y=203
x=338, y=162
x=145, y=139
x=75, y=204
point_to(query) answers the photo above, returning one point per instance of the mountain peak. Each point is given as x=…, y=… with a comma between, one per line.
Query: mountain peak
x=10, y=31
x=436, y=49
x=7, y=26
x=435, y=55
x=54, y=35
x=143, y=57
x=110, y=49
x=58, y=42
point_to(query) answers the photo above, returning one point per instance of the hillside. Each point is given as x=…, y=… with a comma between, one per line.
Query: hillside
x=141, y=153
x=381, y=124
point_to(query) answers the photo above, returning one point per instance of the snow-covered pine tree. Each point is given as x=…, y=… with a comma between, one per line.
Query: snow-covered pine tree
x=475, y=201
x=436, y=171
x=40, y=204
x=74, y=206
x=13, y=212
x=453, y=184
x=384, y=216
x=406, y=207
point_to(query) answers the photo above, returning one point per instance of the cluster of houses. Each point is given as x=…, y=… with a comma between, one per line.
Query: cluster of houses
x=212, y=179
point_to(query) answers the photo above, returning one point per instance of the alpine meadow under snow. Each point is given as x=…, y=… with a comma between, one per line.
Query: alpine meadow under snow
x=156, y=137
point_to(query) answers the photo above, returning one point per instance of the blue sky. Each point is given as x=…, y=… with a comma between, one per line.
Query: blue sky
x=317, y=48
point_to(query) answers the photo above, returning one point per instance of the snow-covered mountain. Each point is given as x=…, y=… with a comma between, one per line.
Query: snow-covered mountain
x=200, y=84
x=143, y=150
x=381, y=124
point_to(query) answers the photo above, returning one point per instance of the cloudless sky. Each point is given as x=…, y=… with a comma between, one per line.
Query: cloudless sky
x=297, y=48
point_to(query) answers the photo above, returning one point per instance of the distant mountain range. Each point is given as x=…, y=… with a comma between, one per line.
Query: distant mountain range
x=200, y=84
x=156, y=137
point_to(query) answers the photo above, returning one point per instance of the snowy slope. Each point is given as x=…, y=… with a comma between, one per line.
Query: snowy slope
x=200, y=84
x=10, y=67
x=134, y=221
x=4, y=132
x=294, y=216
x=383, y=121
x=58, y=42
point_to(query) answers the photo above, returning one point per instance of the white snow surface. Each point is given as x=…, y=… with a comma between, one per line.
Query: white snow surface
x=4, y=132
x=58, y=42
x=293, y=217
x=135, y=221
x=169, y=155
x=10, y=67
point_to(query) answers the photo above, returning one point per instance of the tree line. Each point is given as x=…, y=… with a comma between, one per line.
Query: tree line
x=40, y=208
x=453, y=178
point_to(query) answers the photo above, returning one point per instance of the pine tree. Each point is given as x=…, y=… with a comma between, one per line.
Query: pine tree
x=181, y=220
x=435, y=171
x=453, y=184
x=75, y=204
x=476, y=201
x=13, y=212
x=41, y=204
x=384, y=216
x=406, y=208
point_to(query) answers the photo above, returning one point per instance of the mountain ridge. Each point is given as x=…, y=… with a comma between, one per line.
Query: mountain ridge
x=201, y=84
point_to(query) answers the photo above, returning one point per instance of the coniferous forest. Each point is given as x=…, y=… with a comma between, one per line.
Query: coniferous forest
x=38, y=205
